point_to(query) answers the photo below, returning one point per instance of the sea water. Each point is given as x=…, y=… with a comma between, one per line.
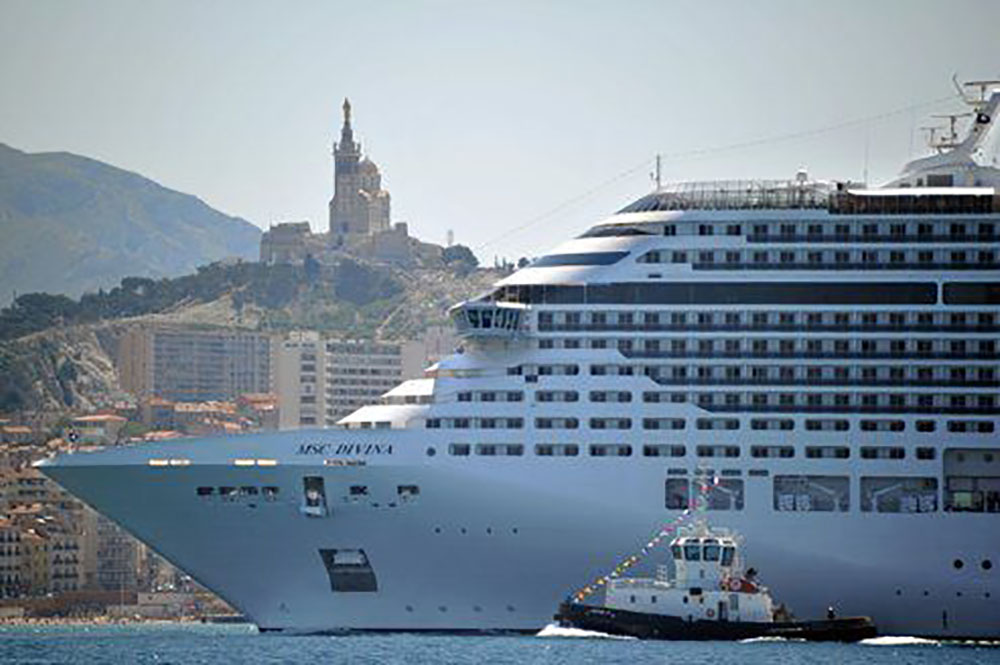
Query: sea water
x=164, y=644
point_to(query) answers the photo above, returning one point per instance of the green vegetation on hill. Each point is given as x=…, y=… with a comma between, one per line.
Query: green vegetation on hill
x=270, y=287
x=71, y=224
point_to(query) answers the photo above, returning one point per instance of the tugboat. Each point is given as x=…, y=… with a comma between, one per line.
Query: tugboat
x=710, y=597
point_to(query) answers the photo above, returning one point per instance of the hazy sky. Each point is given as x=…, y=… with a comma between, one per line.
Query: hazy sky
x=483, y=116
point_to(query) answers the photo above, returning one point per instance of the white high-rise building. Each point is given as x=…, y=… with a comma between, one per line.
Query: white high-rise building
x=320, y=380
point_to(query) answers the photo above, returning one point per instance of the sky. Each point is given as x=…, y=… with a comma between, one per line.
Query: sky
x=514, y=124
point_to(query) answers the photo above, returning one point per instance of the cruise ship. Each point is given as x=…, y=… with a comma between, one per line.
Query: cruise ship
x=827, y=351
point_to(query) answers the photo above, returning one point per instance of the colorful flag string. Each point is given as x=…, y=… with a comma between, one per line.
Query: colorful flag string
x=664, y=531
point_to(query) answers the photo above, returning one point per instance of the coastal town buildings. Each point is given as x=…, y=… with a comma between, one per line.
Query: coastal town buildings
x=98, y=428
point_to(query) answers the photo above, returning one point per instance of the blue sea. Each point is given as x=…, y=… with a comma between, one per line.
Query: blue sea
x=163, y=644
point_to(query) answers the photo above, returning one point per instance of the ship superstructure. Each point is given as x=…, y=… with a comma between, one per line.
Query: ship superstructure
x=827, y=350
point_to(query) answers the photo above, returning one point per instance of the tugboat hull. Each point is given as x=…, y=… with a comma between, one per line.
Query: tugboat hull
x=644, y=625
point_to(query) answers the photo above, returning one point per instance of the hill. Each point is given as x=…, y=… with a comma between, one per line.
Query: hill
x=70, y=224
x=55, y=351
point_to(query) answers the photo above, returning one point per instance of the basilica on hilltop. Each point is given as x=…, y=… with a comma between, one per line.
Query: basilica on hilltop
x=359, y=215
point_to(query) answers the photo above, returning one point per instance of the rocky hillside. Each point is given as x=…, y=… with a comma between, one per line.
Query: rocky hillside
x=55, y=351
x=58, y=371
x=70, y=224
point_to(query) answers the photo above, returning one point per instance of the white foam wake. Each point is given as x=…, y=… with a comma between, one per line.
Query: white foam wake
x=898, y=641
x=555, y=630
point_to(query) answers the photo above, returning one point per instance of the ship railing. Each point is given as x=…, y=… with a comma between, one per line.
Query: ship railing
x=638, y=583
x=735, y=195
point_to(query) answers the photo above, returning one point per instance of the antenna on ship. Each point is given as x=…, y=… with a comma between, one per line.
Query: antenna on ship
x=952, y=140
x=657, y=175
x=983, y=86
x=932, y=131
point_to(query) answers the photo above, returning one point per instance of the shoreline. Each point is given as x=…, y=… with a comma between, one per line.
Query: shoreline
x=103, y=620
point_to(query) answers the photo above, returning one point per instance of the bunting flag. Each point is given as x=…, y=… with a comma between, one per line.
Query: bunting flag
x=663, y=532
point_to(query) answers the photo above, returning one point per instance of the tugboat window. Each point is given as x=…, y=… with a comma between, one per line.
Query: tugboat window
x=677, y=552
x=727, y=555
x=692, y=552
x=712, y=552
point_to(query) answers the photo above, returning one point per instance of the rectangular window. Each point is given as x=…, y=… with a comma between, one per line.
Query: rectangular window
x=899, y=494
x=811, y=493
x=663, y=450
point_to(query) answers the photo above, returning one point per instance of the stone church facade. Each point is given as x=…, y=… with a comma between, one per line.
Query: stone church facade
x=359, y=215
x=359, y=207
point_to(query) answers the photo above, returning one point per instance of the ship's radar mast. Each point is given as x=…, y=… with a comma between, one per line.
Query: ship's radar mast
x=951, y=140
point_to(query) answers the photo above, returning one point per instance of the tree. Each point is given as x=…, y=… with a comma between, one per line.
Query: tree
x=459, y=258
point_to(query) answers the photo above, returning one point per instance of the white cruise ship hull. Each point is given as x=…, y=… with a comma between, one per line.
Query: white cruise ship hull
x=496, y=544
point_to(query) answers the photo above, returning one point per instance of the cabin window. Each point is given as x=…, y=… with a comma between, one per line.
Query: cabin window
x=728, y=553
x=676, y=551
x=712, y=552
x=205, y=491
x=692, y=552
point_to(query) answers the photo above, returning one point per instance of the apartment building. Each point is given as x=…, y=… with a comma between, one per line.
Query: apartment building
x=192, y=365
x=320, y=380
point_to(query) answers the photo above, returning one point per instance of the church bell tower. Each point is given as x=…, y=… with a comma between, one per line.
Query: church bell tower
x=345, y=206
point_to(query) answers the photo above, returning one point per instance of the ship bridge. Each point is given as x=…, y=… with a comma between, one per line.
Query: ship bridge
x=489, y=320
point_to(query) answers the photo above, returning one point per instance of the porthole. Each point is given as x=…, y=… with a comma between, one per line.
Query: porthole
x=477, y=608
x=431, y=452
x=409, y=608
x=514, y=531
x=464, y=530
x=926, y=593
x=958, y=564
x=489, y=530
x=442, y=608
x=510, y=608
x=899, y=592
x=958, y=594
x=437, y=529
x=987, y=564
